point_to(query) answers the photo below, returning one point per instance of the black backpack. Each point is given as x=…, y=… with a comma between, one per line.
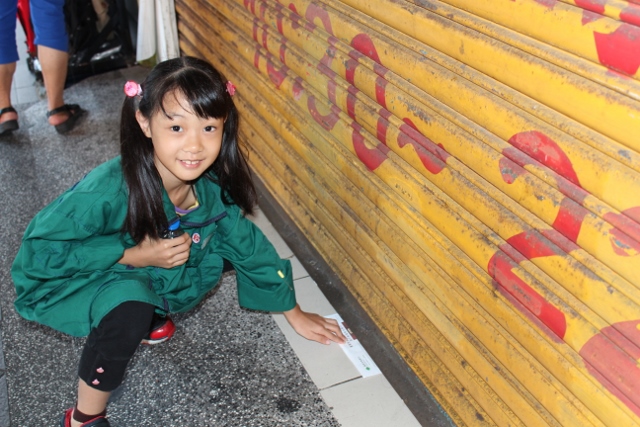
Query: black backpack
x=92, y=50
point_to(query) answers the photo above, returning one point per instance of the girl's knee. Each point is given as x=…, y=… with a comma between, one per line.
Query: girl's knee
x=121, y=330
x=111, y=345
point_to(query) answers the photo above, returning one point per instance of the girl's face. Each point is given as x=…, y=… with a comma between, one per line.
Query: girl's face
x=185, y=145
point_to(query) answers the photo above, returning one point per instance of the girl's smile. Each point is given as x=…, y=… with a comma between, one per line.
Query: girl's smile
x=191, y=163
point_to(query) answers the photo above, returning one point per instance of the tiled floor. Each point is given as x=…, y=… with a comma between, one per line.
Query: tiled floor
x=355, y=401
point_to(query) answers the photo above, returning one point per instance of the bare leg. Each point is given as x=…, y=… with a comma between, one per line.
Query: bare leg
x=54, y=72
x=90, y=400
x=6, y=77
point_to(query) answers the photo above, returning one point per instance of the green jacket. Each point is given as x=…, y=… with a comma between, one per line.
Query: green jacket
x=67, y=274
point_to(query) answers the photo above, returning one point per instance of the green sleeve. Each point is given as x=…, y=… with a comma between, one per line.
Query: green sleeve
x=78, y=232
x=265, y=282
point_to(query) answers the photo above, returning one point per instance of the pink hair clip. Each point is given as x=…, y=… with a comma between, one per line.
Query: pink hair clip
x=231, y=89
x=132, y=89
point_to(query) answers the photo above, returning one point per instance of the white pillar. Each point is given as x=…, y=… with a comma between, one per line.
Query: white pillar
x=157, y=30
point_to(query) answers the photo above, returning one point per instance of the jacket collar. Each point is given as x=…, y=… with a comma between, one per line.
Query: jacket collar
x=211, y=207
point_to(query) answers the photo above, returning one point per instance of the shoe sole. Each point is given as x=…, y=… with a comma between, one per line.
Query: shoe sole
x=9, y=126
x=153, y=342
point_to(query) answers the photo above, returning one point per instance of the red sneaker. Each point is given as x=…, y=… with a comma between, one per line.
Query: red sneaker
x=162, y=328
x=96, y=422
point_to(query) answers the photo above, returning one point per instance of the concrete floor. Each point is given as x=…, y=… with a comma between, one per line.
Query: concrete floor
x=225, y=367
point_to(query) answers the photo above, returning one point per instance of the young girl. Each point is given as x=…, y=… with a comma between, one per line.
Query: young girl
x=94, y=262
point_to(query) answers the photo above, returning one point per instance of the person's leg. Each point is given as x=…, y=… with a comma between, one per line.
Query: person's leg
x=6, y=77
x=52, y=41
x=8, y=55
x=93, y=401
x=54, y=73
x=106, y=355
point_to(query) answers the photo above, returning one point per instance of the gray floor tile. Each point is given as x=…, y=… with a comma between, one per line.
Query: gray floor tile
x=27, y=95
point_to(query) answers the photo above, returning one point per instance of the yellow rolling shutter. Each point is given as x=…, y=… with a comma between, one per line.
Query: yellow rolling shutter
x=471, y=169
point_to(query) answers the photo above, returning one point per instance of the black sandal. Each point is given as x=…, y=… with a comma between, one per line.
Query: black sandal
x=10, y=125
x=75, y=113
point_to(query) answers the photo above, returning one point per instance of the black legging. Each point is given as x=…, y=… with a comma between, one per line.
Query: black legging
x=111, y=345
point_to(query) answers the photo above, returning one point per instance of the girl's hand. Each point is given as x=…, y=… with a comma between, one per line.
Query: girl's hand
x=314, y=327
x=164, y=253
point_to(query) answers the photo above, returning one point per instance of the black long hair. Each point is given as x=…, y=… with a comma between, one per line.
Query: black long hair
x=205, y=90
